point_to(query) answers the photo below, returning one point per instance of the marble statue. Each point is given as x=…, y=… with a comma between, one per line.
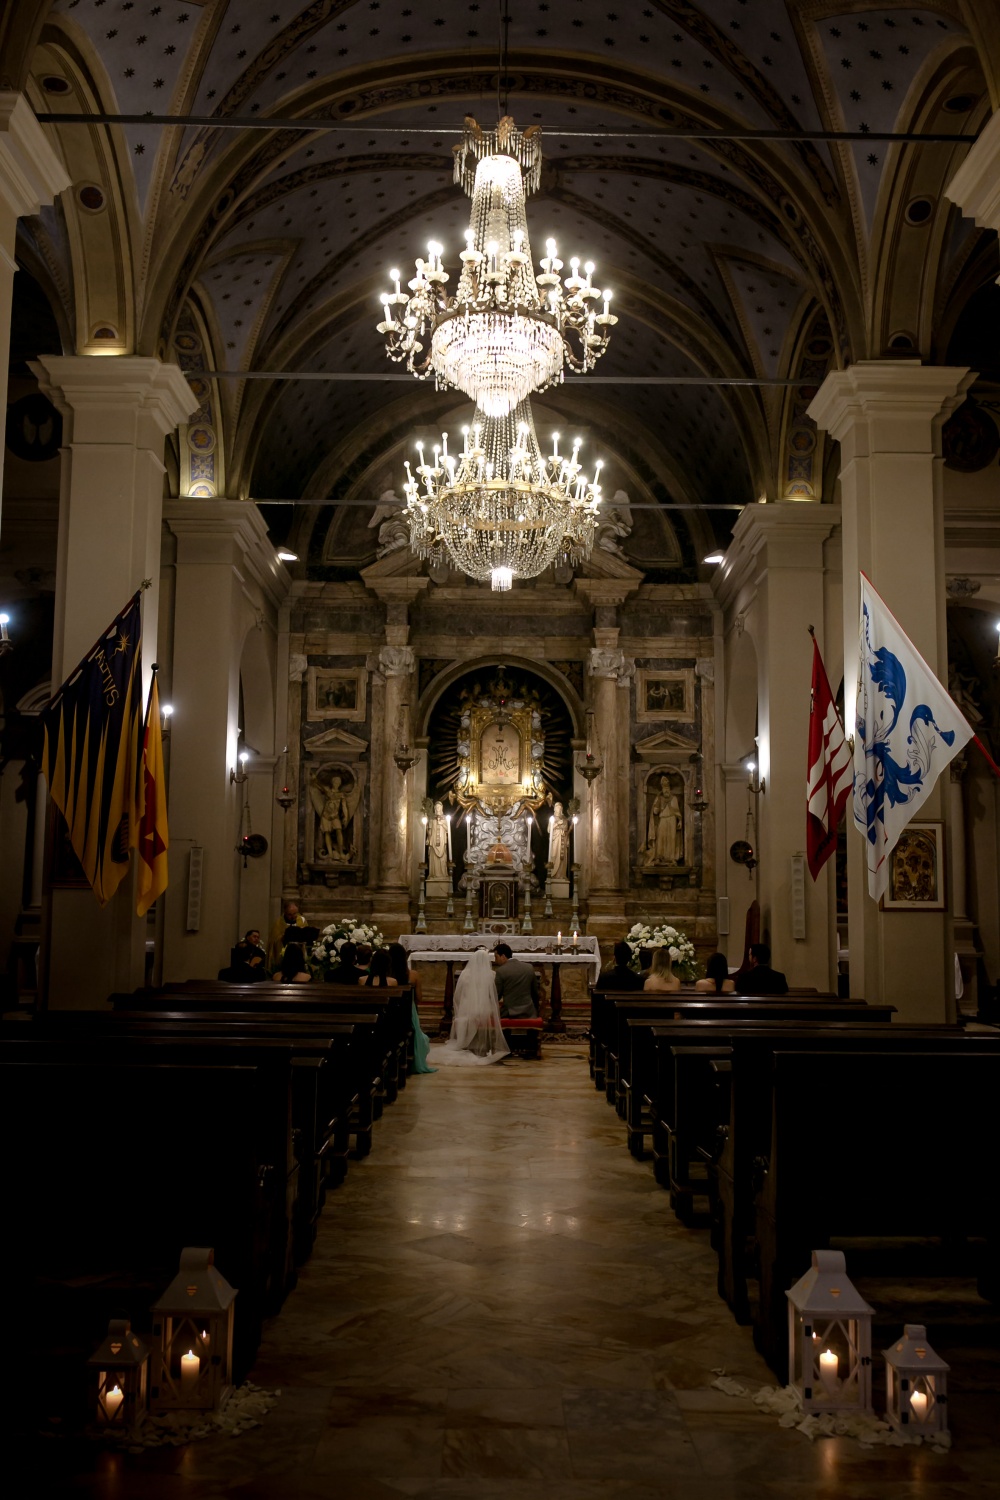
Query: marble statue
x=558, y=844
x=615, y=524
x=664, y=827
x=437, y=844
x=393, y=531
x=335, y=804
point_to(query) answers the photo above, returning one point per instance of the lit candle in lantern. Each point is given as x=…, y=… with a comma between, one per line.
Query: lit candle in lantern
x=918, y=1405
x=112, y=1401
x=190, y=1371
x=829, y=1365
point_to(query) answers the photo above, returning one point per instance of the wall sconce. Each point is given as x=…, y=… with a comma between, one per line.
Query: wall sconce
x=996, y=659
x=756, y=784
x=166, y=714
x=285, y=556
x=237, y=778
x=6, y=644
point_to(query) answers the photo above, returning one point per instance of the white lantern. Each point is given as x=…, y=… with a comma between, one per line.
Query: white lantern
x=193, y=1324
x=829, y=1339
x=916, y=1384
x=118, y=1373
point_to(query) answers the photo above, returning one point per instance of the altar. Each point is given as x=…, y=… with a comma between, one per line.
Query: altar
x=450, y=948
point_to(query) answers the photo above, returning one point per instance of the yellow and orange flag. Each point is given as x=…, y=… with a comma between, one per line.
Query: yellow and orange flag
x=154, y=839
x=92, y=751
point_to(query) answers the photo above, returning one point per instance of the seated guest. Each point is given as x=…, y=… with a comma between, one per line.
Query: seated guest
x=293, y=966
x=347, y=971
x=399, y=968
x=516, y=982
x=248, y=960
x=716, y=980
x=290, y=917
x=380, y=974
x=661, y=973
x=365, y=952
x=759, y=978
x=619, y=976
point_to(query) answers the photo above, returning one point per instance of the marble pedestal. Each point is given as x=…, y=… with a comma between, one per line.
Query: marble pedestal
x=439, y=888
x=558, y=890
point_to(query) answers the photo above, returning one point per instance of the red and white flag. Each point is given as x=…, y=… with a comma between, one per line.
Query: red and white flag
x=831, y=770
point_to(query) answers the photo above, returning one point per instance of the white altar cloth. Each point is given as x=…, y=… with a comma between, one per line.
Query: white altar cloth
x=455, y=947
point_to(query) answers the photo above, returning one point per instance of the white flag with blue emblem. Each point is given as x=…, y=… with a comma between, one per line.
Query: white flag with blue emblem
x=908, y=728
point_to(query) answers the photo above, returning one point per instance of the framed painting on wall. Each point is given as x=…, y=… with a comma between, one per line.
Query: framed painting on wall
x=916, y=870
x=665, y=695
x=337, y=693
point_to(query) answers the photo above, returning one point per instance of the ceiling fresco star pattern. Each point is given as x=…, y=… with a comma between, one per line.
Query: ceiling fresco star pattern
x=722, y=254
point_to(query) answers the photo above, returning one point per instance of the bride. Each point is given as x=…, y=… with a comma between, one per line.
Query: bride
x=476, y=1032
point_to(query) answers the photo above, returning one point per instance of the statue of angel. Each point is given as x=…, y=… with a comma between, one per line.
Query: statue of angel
x=615, y=523
x=335, y=805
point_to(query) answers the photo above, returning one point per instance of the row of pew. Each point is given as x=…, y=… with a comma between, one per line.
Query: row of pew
x=792, y=1122
x=198, y=1114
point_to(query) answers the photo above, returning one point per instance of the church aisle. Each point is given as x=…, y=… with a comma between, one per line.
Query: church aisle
x=501, y=1304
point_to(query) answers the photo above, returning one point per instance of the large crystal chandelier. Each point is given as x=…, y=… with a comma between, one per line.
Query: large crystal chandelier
x=499, y=508
x=506, y=331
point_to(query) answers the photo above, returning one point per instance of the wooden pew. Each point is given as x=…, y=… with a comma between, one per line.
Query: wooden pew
x=902, y=1144
x=633, y=1064
x=117, y=1157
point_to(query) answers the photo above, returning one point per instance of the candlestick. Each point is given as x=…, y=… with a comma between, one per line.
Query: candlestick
x=918, y=1405
x=113, y=1400
x=829, y=1365
x=190, y=1372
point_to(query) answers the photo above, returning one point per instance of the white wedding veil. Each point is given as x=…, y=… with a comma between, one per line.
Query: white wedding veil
x=476, y=1031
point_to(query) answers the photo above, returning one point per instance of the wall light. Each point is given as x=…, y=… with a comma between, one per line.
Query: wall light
x=237, y=778
x=6, y=644
x=166, y=714
x=285, y=556
x=714, y=557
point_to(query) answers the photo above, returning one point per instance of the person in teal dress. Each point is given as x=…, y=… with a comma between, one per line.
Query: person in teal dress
x=400, y=970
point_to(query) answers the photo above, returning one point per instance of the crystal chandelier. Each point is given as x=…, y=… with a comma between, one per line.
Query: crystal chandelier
x=501, y=509
x=507, y=331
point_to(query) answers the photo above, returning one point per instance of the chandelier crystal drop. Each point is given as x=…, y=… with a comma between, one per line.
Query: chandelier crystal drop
x=500, y=509
x=507, y=331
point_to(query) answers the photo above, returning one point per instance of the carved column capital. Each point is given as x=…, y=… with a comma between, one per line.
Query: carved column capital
x=297, y=667
x=604, y=662
x=396, y=661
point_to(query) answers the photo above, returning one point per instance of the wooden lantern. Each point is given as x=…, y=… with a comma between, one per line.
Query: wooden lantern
x=118, y=1371
x=193, y=1326
x=829, y=1339
x=916, y=1384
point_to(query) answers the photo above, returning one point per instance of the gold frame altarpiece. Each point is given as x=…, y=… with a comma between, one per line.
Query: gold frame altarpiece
x=500, y=759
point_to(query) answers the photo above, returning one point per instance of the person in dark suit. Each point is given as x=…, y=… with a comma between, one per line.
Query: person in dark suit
x=618, y=976
x=347, y=971
x=517, y=985
x=759, y=978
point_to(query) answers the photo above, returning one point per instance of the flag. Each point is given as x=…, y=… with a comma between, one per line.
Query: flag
x=153, y=839
x=91, y=751
x=908, y=729
x=830, y=775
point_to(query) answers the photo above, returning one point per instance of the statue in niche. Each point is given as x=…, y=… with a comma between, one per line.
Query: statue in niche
x=335, y=794
x=558, y=843
x=664, y=824
x=438, y=841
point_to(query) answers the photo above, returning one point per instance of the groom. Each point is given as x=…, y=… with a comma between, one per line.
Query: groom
x=517, y=984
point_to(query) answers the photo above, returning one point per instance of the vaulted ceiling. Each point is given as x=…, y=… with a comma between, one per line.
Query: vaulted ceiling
x=249, y=249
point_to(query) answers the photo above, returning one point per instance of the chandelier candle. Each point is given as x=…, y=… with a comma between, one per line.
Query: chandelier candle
x=506, y=332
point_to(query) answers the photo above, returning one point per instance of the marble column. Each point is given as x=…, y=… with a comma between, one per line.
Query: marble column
x=31, y=174
x=221, y=551
x=782, y=549
x=975, y=187
x=116, y=415
x=397, y=665
x=611, y=673
x=887, y=416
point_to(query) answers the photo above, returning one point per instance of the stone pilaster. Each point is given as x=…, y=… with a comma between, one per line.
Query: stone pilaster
x=116, y=415
x=887, y=417
x=31, y=174
x=975, y=187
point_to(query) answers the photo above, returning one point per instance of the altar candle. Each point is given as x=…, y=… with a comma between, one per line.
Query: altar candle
x=447, y=818
x=190, y=1371
x=829, y=1365
x=558, y=939
x=918, y=1405
x=113, y=1399
x=575, y=937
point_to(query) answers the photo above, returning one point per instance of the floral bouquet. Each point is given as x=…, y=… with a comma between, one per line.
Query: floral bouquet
x=326, y=949
x=682, y=958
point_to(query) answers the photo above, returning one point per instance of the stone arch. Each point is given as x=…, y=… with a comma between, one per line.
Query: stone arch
x=557, y=680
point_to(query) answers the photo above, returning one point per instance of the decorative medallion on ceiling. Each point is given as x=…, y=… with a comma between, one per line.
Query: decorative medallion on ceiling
x=506, y=331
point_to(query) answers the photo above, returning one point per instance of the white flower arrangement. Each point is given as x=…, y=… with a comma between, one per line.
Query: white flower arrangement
x=326, y=949
x=682, y=955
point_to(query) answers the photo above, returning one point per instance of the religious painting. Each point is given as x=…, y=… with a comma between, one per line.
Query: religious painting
x=666, y=695
x=337, y=693
x=500, y=755
x=661, y=834
x=916, y=870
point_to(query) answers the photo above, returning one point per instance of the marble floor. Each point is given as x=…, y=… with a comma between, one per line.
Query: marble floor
x=500, y=1303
